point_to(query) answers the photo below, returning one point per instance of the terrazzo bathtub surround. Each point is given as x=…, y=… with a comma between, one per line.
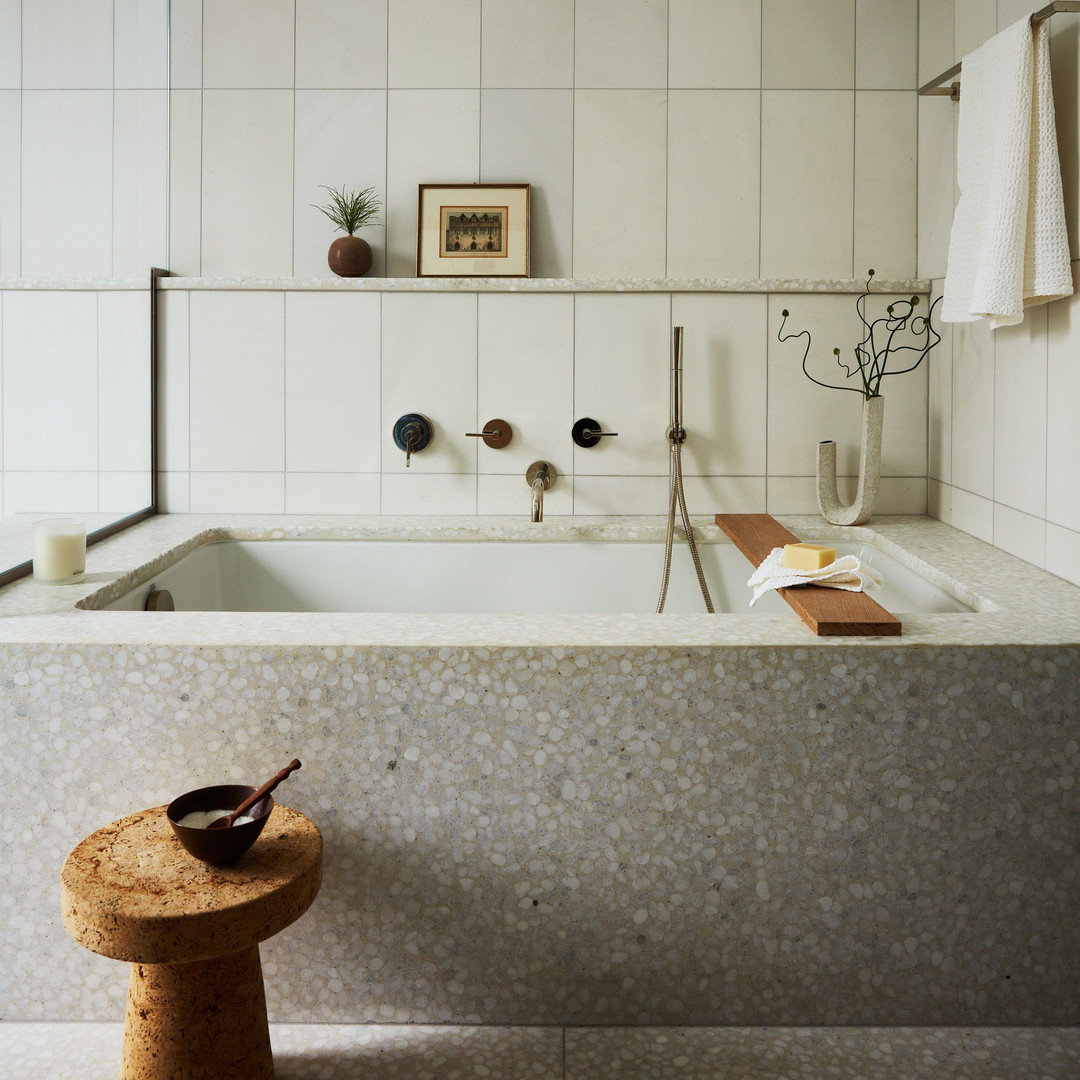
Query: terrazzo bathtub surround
x=415, y=1052
x=745, y=835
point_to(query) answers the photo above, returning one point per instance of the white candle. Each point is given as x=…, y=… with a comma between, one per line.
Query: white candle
x=59, y=551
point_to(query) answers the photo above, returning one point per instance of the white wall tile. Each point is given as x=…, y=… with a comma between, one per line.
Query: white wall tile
x=714, y=152
x=50, y=381
x=528, y=45
x=973, y=514
x=185, y=182
x=937, y=184
x=174, y=402
x=341, y=44
x=619, y=183
x=808, y=46
x=525, y=375
x=621, y=372
x=433, y=137
x=67, y=227
x=1062, y=430
x=123, y=493
x=434, y=43
x=247, y=192
x=237, y=369
x=123, y=374
x=429, y=367
x=57, y=492
x=1020, y=406
x=1063, y=553
x=974, y=22
x=807, y=143
x=798, y=494
x=973, y=410
x=940, y=389
x=248, y=44
x=141, y=44
x=802, y=414
x=1020, y=534
x=620, y=495
x=140, y=182
x=886, y=40
x=10, y=46
x=935, y=38
x=711, y=495
x=332, y=493
x=528, y=136
x=237, y=493
x=620, y=43
x=886, y=187
x=67, y=44
x=714, y=43
x=1010, y=11
x=1065, y=66
x=10, y=183
x=332, y=382
x=724, y=383
x=939, y=500
x=416, y=492
x=185, y=44
x=340, y=143
x=174, y=492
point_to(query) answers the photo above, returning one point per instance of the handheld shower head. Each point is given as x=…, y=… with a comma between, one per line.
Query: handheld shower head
x=677, y=433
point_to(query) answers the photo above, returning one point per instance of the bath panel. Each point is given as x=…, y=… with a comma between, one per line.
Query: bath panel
x=657, y=836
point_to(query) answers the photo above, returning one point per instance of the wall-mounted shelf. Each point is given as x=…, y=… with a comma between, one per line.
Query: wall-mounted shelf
x=546, y=285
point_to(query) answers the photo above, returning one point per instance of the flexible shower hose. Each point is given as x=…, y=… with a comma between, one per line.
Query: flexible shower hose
x=678, y=498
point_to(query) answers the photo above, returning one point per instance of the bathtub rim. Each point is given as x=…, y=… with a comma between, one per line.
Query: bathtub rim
x=1015, y=602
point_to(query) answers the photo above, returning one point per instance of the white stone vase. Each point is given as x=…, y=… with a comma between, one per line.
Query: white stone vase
x=832, y=510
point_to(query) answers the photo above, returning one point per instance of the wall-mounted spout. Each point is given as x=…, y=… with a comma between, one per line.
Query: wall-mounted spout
x=539, y=476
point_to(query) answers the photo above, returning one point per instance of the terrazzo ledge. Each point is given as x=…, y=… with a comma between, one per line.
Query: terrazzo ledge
x=1015, y=603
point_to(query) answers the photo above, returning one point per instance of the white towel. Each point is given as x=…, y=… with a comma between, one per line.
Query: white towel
x=848, y=572
x=1009, y=248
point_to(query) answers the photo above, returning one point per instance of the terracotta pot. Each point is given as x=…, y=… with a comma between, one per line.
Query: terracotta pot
x=349, y=256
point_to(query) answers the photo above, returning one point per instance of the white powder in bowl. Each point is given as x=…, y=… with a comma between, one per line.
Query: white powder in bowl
x=200, y=819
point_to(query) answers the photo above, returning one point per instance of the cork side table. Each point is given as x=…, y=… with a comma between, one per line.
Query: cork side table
x=196, y=1008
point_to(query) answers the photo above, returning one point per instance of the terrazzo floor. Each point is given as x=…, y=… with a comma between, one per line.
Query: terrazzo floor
x=77, y=1051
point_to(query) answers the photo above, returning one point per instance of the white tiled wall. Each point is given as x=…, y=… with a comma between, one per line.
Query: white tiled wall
x=1004, y=442
x=733, y=138
x=663, y=138
x=286, y=401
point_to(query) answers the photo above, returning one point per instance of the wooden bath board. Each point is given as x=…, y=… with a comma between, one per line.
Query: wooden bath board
x=828, y=612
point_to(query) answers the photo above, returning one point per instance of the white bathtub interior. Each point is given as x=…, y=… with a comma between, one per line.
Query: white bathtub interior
x=486, y=577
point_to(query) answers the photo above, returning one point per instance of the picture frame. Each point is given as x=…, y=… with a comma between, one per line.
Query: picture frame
x=473, y=230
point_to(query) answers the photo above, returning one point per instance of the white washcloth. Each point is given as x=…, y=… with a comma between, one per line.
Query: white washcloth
x=1009, y=248
x=848, y=572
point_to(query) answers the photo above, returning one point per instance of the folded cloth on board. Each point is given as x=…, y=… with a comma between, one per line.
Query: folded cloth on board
x=848, y=572
x=1009, y=248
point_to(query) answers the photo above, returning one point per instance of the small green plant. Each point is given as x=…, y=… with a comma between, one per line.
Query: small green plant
x=899, y=331
x=350, y=210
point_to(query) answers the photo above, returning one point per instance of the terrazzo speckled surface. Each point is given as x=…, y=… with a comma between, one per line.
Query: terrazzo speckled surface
x=422, y=1052
x=1016, y=603
x=547, y=285
x=633, y=825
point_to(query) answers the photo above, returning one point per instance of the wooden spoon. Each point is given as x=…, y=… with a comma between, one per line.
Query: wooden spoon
x=226, y=822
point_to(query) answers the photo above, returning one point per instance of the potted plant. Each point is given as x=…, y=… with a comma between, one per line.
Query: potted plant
x=898, y=335
x=350, y=255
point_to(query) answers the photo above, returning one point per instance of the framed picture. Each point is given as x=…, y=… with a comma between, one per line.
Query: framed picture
x=473, y=230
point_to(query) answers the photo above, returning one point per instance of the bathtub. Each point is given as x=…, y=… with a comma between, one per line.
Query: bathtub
x=490, y=576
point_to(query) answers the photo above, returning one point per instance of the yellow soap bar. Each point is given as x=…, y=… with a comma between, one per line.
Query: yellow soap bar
x=808, y=556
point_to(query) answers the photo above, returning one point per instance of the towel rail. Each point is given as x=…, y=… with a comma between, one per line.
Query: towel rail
x=935, y=87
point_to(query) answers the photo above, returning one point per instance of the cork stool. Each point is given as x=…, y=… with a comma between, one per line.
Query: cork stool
x=196, y=1009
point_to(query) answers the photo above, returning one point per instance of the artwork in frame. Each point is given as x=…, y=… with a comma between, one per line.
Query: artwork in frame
x=473, y=230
